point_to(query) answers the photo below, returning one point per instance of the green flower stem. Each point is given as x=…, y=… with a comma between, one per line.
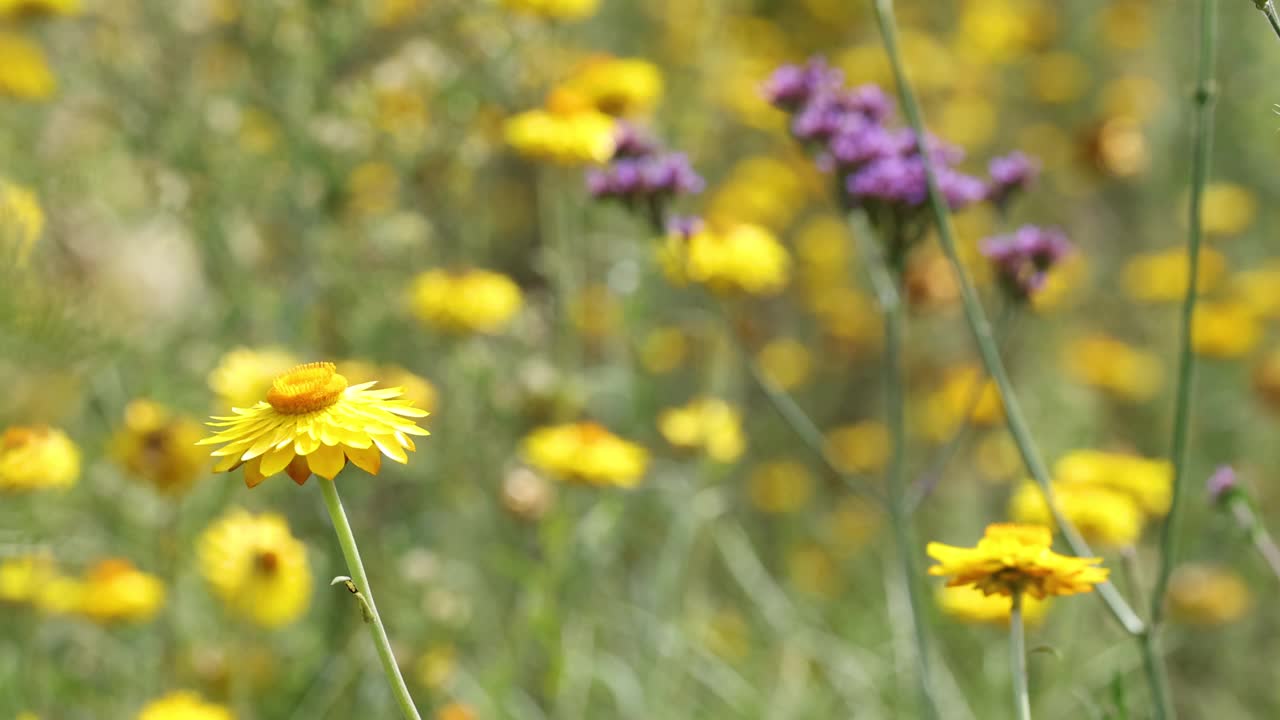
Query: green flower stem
x=1018, y=660
x=1258, y=535
x=1268, y=8
x=351, y=552
x=981, y=328
x=1201, y=152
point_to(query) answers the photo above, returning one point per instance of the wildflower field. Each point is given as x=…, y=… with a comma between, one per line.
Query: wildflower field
x=663, y=360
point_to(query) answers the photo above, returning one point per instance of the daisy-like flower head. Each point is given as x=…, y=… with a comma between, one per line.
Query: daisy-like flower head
x=256, y=567
x=115, y=591
x=312, y=421
x=1016, y=558
x=157, y=445
x=586, y=452
x=183, y=705
x=37, y=457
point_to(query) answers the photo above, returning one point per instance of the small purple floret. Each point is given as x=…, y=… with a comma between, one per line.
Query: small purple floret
x=1022, y=260
x=1222, y=483
x=1010, y=174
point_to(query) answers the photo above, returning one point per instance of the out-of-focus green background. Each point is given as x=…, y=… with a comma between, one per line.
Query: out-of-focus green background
x=274, y=174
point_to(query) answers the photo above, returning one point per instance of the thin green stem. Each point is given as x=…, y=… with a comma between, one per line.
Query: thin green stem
x=1201, y=152
x=1018, y=660
x=351, y=552
x=1268, y=8
x=980, y=326
x=1258, y=534
x=1157, y=676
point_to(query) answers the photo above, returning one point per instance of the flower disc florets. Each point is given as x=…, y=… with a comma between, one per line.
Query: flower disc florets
x=307, y=388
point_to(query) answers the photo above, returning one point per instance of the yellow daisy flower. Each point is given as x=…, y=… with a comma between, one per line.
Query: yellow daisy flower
x=115, y=590
x=159, y=446
x=1016, y=558
x=586, y=452
x=1207, y=595
x=473, y=301
x=565, y=137
x=37, y=457
x=256, y=567
x=313, y=422
x=183, y=705
x=24, y=70
x=708, y=424
x=747, y=259
x=617, y=86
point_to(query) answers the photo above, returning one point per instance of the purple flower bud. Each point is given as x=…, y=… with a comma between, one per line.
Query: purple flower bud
x=1022, y=260
x=1222, y=483
x=959, y=189
x=871, y=102
x=632, y=141
x=857, y=146
x=1010, y=175
x=791, y=87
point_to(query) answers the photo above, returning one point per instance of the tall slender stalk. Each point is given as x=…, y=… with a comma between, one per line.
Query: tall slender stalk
x=1201, y=152
x=1268, y=8
x=1018, y=660
x=981, y=328
x=351, y=552
x=1258, y=534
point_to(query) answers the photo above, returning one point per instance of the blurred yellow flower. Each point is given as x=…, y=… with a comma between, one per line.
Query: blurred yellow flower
x=114, y=590
x=567, y=137
x=995, y=31
x=997, y=456
x=1103, y=515
x=183, y=705
x=726, y=634
x=159, y=446
x=760, y=190
x=746, y=258
x=617, y=86
x=861, y=447
x=1162, y=276
x=256, y=567
x=848, y=317
x=1118, y=146
x=1127, y=24
x=1016, y=558
x=707, y=424
x=1059, y=77
x=1112, y=366
x=436, y=667
x=1224, y=329
x=780, y=486
x=586, y=452
x=22, y=577
x=456, y=711
x=664, y=349
x=312, y=421
x=813, y=570
x=21, y=9
x=59, y=595
x=556, y=9
x=785, y=362
x=470, y=301
x=596, y=312
x=373, y=188
x=1208, y=595
x=21, y=219
x=243, y=376
x=969, y=604
x=1259, y=289
x=37, y=457
x=969, y=120
x=1148, y=481
x=24, y=71
x=1228, y=209
x=416, y=389
x=965, y=390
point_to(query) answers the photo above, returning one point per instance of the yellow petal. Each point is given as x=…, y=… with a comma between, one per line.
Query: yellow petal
x=253, y=474
x=367, y=459
x=327, y=461
x=276, y=460
x=391, y=450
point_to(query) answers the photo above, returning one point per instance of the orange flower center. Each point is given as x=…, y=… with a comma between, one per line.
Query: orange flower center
x=267, y=562
x=18, y=437
x=306, y=388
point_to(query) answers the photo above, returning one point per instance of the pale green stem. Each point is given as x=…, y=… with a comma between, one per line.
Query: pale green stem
x=351, y=552
x=1018, y=660
x=1268, y=8
x=1258, y=535
x=980, y=326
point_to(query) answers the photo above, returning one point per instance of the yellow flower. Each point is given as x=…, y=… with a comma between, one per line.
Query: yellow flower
x=1059, y=77
x=1162, y=276
x=22, y=577
x=373, y=188
x=617, y=86
x=781, y=486
x=37, y=457
x=586, y=452
x=436, y=667
x=1016, y=558
x=416, y=389
x=762, y=190
x=964, y=390
x=244, y=376
x=1229, y=209
x=256, y=567
x=1112, y=366
x=555, y=9
x=60, y=595
x=183, y=705
x=785, y=362
x=577, y=137
x=1224, y=329
x=969, y=604
x=472, y=301
x=159, y=446
x=1207, y=595
x=664, y=349
x=747, y=259
x=1259, y=289
x=706, y=424
x=24, y=71
x=313, y=422
x=1105, y=516
x=862, y=447
x=23, y=9
x=1149, y=482
x=21, y=219
x=114, y=590
x=456, y=711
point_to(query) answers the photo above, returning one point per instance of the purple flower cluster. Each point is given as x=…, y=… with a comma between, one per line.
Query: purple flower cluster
x=1022, y=260
x=1010, y=175
x=643, y=175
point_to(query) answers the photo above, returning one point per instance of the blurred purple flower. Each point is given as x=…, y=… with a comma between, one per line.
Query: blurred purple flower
x=1023, y=259
x=902, y=180
x=1010, y=174
x=1222, y=483
x=640, y=178
x=791, y=87
x=632, y=141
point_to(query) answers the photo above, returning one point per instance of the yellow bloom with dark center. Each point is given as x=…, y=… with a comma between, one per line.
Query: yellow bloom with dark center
x=312, y=421
x=24, y=70
x=471, y=301
x=568, y=137
x=1104, y=516
x=861, y=447
x=21, y=220
x=707, y=424
x=617, y=86
x=745, y=259
x=1016, y=558
x=969, y=604
x=1161, y=277
x=244, y=375
x=555, y=9
x=22, y=577
x=183, y=705
x=115, y=591
x=1208, y=595
x=37, y=457
x=1148, y=481
x=30, y=9
x=159, y=446
x=1224, y=329
x=586, y=452
x=1113, y=366
x=256, y=567
x=780, y=486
